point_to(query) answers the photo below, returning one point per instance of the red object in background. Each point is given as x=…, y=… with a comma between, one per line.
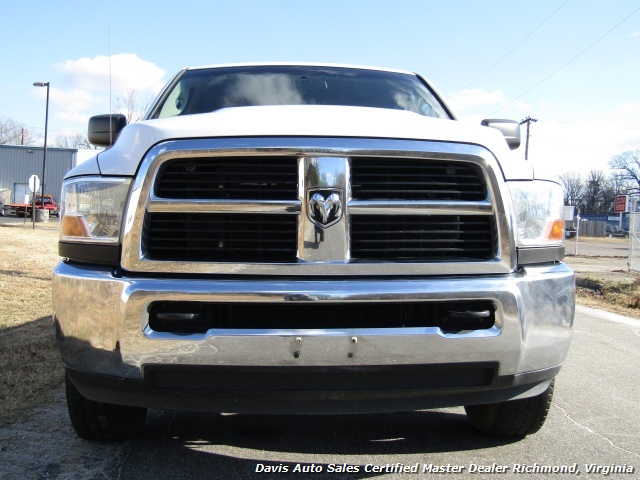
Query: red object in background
x=620, y=204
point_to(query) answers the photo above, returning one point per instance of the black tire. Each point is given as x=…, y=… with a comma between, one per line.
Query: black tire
x=515, y=418
x=103, y=422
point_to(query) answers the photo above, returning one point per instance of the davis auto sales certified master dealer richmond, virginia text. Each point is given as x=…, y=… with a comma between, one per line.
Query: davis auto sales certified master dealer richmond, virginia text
x=516, y=468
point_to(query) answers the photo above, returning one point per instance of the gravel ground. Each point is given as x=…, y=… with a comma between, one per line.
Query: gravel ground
x=44, y=446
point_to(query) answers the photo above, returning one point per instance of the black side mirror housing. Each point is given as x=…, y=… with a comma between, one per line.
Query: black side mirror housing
x=104, y=129
x=509, y=128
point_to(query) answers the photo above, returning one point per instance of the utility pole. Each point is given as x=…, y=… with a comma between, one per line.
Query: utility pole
x=46, y=128
x=528, y=121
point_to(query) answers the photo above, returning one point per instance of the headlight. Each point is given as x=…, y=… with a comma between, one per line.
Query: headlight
x=539, y=213
x=92, y=209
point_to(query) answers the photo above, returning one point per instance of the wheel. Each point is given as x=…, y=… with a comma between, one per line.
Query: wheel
x=103, y=421
x=514, y=418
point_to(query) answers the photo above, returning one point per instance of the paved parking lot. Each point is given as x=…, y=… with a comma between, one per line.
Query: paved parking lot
x=592, y=246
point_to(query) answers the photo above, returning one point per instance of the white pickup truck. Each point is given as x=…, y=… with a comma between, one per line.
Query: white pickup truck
x=294, y=238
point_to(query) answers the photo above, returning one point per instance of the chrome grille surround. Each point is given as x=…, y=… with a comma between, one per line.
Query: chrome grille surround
x=331, y=159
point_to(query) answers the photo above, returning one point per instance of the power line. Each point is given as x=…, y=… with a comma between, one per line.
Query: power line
x=563, y=66
x=609, y=124
x=512, y=50
x=573, y=146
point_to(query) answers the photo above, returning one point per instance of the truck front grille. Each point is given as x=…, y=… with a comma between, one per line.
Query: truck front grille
x=400, y=178
x=258, y=178
x=221, y=237
x=433, y=237
x=326, y=206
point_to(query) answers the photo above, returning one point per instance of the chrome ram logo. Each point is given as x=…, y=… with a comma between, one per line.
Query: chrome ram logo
x=324, y=207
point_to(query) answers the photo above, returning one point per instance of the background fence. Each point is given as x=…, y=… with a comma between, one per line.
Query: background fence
x=634, y=234
x=601, y=239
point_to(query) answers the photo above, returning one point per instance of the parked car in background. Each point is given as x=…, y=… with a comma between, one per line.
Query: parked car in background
x=615, y=231
x=24, y=209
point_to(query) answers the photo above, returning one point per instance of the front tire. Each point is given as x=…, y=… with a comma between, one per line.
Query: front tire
x=514, y=418
x=103, y=422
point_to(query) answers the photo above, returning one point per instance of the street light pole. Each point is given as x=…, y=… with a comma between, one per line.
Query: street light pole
x=46, y=129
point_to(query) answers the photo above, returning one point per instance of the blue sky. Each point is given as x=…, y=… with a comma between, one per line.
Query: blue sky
x=587, y=111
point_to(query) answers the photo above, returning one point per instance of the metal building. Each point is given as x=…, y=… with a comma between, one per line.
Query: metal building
x=18, y=163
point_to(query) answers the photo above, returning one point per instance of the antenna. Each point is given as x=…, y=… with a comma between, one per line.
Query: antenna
x=110, y=106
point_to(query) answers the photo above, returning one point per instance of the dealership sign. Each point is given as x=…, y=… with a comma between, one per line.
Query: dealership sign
x=620, y=204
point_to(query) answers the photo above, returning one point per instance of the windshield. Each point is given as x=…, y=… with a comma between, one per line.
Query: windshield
x=207, y=90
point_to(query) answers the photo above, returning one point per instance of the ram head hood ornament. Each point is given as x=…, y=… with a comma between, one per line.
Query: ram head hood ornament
x=324, y=206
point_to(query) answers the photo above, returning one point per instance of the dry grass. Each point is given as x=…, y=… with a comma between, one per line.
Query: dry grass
x=30, y=366
x=617, y=296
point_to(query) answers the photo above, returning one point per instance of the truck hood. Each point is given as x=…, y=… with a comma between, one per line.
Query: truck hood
x=303, y=121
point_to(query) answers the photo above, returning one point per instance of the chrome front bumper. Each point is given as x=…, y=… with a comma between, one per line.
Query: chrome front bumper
x=102, y=322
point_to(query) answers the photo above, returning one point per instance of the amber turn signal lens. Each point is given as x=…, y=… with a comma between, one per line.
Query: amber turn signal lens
x=556, y=230
x=74, y=226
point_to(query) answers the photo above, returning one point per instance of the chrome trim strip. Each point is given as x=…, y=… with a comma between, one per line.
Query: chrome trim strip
x=143, y=200
x=374, y=332
x=419, y=207
x=168, y=205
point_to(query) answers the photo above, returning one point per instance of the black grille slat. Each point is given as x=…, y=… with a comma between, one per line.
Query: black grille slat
x=221, y=237
x=424, y=237
x=236, y=178
x=397, y=178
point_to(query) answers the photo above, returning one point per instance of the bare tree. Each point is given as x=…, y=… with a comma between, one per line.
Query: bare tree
x=621, y=185
x=594, y=193
x=132, y=104
x=627, y=165
x=14, y=133
x=73, y=140
x=599, y=193
x=573, y=187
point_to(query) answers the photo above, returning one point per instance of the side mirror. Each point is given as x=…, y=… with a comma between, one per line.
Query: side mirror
x=104, y=129
x=509, y=128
